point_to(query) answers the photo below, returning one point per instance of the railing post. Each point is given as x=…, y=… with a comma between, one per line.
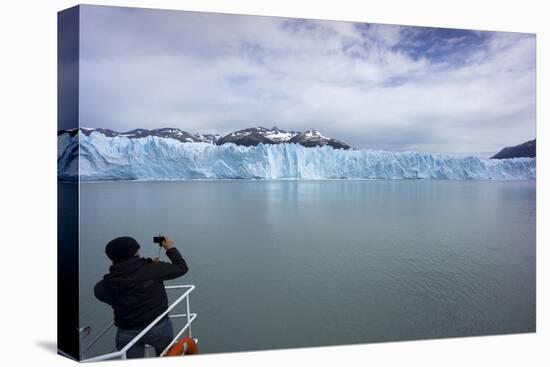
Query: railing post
x=188, y=311
x=83, y=333
x=81, y=345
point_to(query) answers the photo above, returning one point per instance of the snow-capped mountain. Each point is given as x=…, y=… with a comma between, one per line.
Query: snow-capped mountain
x=313, y=138
x=166, y=132
x=247, y=137
x=96, y=156
x=256, y=135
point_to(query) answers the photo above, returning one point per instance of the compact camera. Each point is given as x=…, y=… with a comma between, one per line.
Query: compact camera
x=158, y=239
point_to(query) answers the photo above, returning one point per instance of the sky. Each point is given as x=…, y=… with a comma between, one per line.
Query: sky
x=372, y=86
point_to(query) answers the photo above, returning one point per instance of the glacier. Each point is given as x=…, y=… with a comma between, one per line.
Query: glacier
x=97, y=158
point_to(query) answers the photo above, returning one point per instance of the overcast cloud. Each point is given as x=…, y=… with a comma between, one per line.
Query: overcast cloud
x=372, y=86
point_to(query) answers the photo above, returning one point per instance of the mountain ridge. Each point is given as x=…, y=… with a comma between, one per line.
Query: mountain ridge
x=523, y=150
x=256, y=135
x=246, y=137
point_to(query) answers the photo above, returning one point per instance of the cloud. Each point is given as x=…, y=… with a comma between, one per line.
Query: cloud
x=372, y=86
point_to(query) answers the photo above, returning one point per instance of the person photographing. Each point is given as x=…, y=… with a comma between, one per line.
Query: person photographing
x=134, y=289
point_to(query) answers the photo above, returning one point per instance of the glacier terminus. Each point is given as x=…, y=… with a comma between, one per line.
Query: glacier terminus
x=97, y=157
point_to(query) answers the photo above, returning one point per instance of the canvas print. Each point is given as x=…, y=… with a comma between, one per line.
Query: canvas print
x=237, y=183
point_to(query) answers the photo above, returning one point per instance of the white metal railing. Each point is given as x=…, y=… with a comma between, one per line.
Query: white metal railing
x=190, y=317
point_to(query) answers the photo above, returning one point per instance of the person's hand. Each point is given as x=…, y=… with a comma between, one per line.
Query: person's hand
x=167, y=243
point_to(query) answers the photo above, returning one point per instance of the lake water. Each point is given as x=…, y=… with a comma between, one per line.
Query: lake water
x=281, y=264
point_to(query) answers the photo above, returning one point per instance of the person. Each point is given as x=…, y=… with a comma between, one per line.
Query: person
x=134, y=289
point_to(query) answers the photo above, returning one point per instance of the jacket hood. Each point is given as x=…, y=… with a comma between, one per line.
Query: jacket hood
x=120, y=276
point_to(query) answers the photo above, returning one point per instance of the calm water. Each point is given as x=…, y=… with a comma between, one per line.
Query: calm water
x=281, y=264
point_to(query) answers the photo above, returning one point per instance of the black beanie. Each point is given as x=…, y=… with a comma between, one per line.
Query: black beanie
x=121, y=248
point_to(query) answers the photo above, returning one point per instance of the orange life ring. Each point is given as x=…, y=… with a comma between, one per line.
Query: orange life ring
x=185, y=346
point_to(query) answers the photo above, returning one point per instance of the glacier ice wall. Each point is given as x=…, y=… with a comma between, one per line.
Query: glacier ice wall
x=154, y=158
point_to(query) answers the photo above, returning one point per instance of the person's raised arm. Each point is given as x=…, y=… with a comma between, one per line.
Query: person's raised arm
x=160, y=270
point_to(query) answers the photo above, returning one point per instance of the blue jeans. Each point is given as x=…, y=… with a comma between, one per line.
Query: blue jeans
x=159, y=337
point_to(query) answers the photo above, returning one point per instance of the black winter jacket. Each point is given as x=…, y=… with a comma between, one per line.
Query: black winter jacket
x=135, y=290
